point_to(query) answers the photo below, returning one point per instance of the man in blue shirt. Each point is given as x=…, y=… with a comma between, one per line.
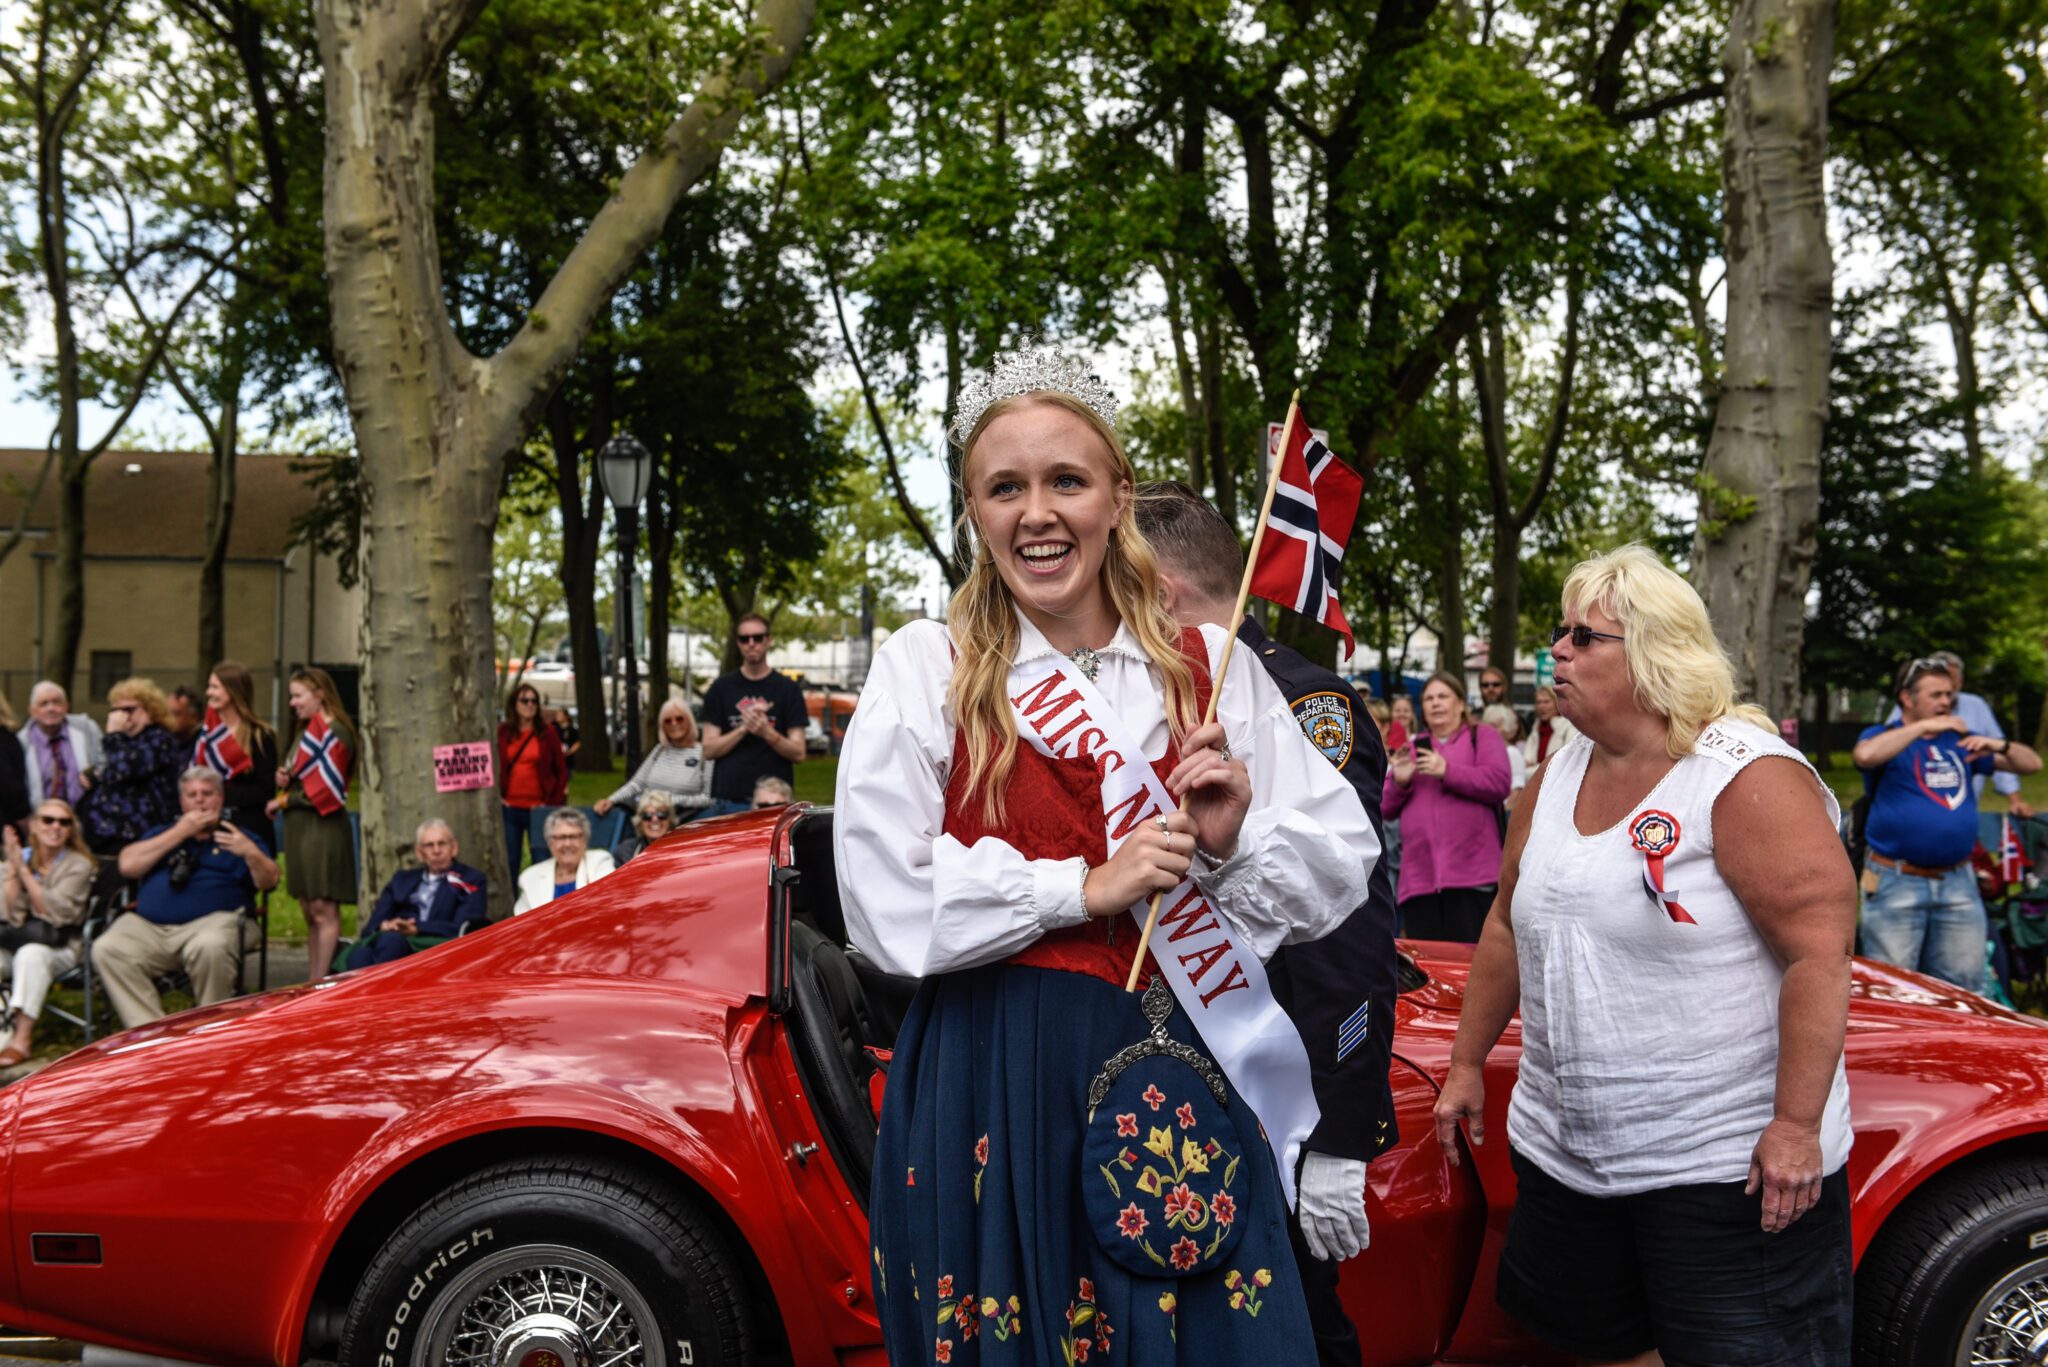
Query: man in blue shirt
x=1982, y=721
x=1920, y=907
x=198, y=874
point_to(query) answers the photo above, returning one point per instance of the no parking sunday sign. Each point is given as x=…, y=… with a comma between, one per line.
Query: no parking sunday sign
x=461, y=767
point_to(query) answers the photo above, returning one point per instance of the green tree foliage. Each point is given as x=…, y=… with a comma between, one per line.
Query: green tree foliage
x=725, y=341
x=1918, y=552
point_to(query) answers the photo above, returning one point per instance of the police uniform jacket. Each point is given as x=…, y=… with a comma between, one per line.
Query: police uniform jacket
x=1340, y=990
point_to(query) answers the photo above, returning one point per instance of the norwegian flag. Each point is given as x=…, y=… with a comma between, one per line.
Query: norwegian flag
x=322, y=763
x=218, y=749
x=2012, y=860
x=1315, y=501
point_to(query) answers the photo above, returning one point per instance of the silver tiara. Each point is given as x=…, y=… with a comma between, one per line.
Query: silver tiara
x=1030, y=370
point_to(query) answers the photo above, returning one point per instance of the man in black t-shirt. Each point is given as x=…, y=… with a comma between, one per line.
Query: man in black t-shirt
x=754, y=722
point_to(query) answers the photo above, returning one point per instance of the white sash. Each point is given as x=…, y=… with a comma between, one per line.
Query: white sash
x=1219, y=982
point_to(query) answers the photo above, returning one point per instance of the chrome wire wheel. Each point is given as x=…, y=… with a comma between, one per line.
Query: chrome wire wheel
x=540, y=1305
x=2009, y=1327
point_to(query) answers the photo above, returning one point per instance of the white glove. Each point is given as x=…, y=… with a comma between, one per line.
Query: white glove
x=1332, y=1206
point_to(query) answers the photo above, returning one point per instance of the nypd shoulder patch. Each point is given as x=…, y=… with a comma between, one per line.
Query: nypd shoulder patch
x=1325, y=718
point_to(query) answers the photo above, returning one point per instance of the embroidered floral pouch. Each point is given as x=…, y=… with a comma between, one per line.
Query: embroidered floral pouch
x=1162, y=1162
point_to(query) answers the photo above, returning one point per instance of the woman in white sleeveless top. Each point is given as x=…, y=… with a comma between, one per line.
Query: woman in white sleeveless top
x=1674, y=922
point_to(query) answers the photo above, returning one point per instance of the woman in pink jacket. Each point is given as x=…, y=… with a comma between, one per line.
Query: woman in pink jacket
x=1446, y=787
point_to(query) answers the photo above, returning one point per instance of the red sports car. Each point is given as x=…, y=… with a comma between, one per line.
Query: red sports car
x=634, y=1129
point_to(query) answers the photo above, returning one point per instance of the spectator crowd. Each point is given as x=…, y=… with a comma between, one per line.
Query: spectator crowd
x=194, y=800
x=185, y=808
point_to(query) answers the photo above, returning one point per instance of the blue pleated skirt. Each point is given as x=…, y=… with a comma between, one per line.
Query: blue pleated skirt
x=983, y=1251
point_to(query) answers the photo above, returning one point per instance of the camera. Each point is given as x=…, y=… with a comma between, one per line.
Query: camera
x=184, y=863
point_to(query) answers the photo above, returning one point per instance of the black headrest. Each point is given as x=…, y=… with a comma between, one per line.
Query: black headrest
x=817, y=889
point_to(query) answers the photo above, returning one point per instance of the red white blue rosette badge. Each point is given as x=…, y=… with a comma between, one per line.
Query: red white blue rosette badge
x=1655, y=833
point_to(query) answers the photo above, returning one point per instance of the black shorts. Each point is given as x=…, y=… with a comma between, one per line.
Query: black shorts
x=1686, y=1270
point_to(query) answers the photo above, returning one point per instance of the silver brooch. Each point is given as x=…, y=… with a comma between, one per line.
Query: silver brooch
x=1088, y=661
x=1030, y=370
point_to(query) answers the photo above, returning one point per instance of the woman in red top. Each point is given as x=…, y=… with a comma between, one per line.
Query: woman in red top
x=532, y=769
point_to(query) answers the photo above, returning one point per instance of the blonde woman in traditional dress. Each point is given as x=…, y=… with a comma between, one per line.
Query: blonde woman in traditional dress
x=985, y=862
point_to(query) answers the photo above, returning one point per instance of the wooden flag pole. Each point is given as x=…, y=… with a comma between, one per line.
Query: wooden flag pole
x=1244, y=593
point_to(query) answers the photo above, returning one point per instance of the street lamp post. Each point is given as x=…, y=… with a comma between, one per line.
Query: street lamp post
x=623, y=466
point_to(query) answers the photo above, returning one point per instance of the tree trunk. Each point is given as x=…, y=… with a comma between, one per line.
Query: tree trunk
x=582, y=513
x=67, y=625
x=220, y=520
x=1759, y=496
x=1511, y=518
x=661, y=588
x=1962, y=331
x=1819, y=741
x=956, y=509
x=1222, y=469
x=435, y=424
x=1194, y=427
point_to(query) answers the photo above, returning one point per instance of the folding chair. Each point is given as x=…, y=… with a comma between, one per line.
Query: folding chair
x=110, y=896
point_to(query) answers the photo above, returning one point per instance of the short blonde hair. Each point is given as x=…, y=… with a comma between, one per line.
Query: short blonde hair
x=1502, y=718
x=145, y=694
x=1679, y=669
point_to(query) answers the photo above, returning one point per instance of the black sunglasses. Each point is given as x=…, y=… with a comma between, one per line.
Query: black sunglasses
x=53, y=820
x=752, y=638
x=656, y=816
x=1582, y=635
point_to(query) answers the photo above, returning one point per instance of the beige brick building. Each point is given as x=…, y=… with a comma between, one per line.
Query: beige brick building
x=145, y=523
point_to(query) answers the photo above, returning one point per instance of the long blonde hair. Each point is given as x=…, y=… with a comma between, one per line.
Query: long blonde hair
x=983, y=619
x=1679, y=669
x=240, y=687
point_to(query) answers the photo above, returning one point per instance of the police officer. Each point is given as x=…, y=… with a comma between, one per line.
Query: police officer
x=1339, y=990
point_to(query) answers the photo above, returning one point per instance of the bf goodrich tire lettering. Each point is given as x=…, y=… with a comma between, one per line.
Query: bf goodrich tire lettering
x=541, y=1257
x=1955, y=1273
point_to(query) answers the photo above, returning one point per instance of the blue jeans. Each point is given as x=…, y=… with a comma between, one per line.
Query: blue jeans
x=518, y=830
x=1934, y=925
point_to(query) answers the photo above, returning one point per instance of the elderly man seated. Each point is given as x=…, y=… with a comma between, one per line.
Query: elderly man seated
x=198, y=874
x=419, y=908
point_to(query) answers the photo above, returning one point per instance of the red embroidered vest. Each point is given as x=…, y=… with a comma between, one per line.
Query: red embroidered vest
x=1053, y=810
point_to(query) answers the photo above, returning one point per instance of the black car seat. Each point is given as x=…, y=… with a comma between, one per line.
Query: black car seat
x=886, y=996
x=830, y=1035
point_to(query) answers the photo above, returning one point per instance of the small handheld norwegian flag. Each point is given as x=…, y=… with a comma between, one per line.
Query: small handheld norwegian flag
x=322, y=763
x=218, y=749
x=1311, y=502
x=1301, y=541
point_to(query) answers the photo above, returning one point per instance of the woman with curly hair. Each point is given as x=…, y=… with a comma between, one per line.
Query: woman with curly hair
x=135, y=788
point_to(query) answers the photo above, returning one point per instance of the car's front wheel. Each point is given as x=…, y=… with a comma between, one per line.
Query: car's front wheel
x=550, y=1263
x=1960, y=1273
